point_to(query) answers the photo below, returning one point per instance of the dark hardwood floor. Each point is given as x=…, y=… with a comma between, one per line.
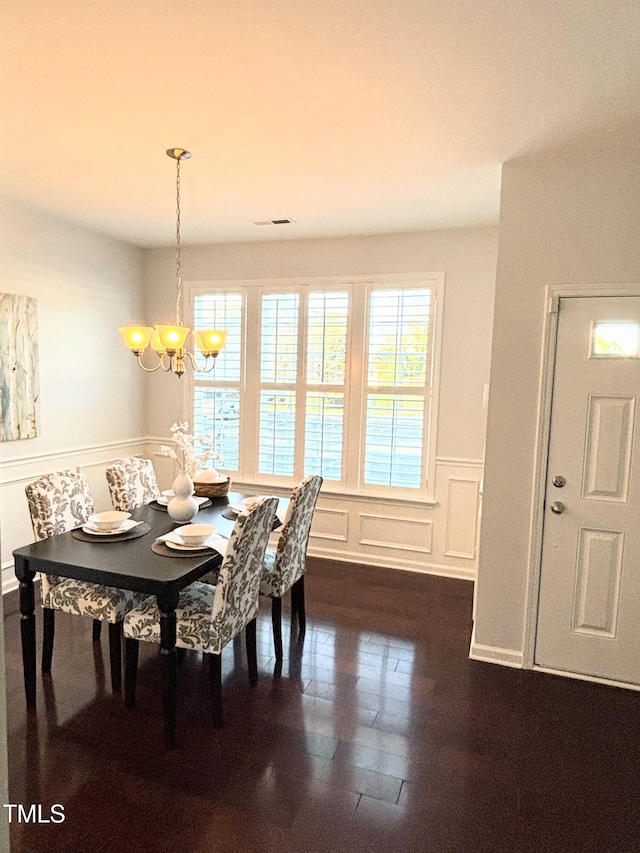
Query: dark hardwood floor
x=378, y=735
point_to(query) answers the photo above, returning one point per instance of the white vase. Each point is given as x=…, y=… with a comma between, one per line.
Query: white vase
x=183, y=506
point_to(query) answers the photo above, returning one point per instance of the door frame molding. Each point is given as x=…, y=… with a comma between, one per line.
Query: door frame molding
x=553, y=294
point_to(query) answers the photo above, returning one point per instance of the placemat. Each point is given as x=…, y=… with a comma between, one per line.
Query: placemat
x=134, y=533
x=164, y=551
x=162, y=507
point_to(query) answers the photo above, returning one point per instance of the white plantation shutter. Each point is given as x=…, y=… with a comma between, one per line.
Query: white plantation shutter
x=217, y=402
x=279, y=369
x=327, y=326
x=398, y=360
x=333, y=378
x=279, y=350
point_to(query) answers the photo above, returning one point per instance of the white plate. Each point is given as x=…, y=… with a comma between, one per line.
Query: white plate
x=115, y=532
x=169, y=543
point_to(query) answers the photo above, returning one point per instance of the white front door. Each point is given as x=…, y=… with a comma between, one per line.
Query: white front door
x=589, y=606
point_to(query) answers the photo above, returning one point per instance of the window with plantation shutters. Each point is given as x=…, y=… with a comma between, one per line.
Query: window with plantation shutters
x=333, y=378
x=398, y=362
x=217, y=396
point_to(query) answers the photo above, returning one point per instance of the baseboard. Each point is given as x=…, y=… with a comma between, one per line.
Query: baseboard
x=9, y=579
x=494, y=654
x=344, y=556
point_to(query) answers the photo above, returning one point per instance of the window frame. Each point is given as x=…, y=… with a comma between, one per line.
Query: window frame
x=359, y=288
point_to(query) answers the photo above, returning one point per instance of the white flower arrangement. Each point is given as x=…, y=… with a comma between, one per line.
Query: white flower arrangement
x=184, y=452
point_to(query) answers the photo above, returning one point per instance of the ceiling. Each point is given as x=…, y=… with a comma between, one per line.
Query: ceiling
x=346, y=116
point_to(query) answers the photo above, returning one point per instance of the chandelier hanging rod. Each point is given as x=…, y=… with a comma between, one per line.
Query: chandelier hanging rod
x=167, y=340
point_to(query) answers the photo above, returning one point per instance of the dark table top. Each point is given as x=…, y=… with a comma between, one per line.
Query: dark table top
x=130, y=564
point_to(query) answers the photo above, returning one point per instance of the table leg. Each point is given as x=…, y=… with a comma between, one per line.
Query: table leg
x=167, y=603
x=27, y=628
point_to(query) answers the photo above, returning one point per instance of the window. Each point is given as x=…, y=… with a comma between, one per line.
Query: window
x=615, y=340
x=334, y=378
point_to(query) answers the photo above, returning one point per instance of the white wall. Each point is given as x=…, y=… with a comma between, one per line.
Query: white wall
x=92, y=398
x=569, y=216
x=468, y=258
x=4, y=769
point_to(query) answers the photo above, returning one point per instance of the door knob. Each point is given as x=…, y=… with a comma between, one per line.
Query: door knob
x=557, y=507
x=559, y=481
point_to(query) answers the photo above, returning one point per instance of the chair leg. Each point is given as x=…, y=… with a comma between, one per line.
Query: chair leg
x=297, y=605
x=97, y=628
x=252, y=652
x=276, y=621
x=130, y=671
x=215, y=675
x=115, y=655
x=49, y=627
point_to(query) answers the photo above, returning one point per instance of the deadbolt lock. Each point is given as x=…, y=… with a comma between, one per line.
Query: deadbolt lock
x=559, y=481
x=557, y=507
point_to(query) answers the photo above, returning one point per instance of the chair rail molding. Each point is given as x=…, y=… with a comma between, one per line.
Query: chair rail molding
x=435, y=535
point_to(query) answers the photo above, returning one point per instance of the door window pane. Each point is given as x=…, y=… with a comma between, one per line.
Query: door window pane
x=616, y=339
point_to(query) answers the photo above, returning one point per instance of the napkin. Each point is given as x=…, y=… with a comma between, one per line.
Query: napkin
x=163, y=501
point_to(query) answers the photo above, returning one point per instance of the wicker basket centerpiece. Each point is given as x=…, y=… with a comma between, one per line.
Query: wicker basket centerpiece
x=207, y=485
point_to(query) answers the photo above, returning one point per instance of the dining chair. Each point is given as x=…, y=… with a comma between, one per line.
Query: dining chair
x=285, y=565
x=208, y=617
x=59, y=502
x=132, y=483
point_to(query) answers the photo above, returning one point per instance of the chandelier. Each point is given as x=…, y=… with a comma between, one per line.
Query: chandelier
x=168, y=341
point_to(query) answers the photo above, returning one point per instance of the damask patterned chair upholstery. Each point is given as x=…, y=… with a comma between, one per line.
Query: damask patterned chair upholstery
x=58, y=502
x=285, y=565
x=208, y=617
x=132, y=483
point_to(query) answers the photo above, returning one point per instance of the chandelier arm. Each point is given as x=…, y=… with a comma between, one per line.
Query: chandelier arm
x=151, y=369
x=206, y=368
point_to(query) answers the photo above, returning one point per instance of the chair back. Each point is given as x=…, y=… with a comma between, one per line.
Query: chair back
x=235, y=601
x=132, y=483
x=291, y=551
x=58, y=502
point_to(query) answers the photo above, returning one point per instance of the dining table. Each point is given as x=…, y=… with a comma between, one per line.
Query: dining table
x=131, y=564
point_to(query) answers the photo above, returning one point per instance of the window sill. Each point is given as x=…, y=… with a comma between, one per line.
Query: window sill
x=335, y=494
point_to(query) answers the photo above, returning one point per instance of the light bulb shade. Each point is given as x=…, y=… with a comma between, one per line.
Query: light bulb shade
x=156, y=343
x=210, y=341
x=136, y=338
x=172, y=337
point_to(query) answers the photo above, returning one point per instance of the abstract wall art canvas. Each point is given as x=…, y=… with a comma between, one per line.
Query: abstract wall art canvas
x=19, y=385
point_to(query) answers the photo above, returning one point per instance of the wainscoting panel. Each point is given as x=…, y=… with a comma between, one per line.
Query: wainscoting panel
x=17, y=472
x=388, y=531
x=462, y=514
x=436, y=536
x=332, y=524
